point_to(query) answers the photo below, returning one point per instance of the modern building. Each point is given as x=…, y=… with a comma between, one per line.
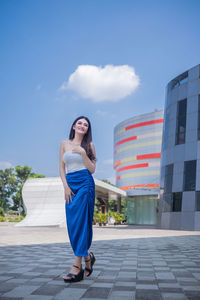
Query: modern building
x=45, y=205
x=137, y=152
x=179, y=205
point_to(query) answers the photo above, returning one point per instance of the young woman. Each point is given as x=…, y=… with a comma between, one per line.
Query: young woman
x=79, y=157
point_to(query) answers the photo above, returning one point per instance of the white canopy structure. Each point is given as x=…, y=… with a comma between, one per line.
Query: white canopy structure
x=45, y=204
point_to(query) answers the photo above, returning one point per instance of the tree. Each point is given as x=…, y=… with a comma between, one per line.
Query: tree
x=106, y=181
x=8, y=184
x=113, y=203
x=11, y=184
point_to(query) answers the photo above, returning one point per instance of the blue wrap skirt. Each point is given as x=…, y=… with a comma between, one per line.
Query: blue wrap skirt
x=79, y=212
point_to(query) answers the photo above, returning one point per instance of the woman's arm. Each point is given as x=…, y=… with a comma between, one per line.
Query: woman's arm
x=62, y=165
x=89, y=164
x=67, y=189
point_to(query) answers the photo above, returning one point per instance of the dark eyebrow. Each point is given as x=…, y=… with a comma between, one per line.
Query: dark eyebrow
x=83, y=123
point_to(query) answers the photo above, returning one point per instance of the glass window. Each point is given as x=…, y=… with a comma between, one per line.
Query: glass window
x=177, y=201
x=162, y=177
x=184, y=80
x=181, y=121
x=167, y=195
x=167, y=202
x=198, y=200
x=168, y=178
x=182, y=107
x=181, y=79
x=198, y=128
x=189, y=175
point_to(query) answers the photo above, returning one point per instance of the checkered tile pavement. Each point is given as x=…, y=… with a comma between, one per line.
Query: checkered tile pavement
x=154, y=268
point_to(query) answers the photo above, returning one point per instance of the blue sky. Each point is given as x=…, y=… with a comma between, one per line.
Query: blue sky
x=44, y=42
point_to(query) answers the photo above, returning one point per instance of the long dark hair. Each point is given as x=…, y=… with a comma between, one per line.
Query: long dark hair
x=86, y=139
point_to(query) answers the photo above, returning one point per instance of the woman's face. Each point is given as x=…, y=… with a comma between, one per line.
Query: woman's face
x=81, y=126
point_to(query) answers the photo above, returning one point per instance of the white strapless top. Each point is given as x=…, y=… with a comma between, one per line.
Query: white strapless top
x=73, y=161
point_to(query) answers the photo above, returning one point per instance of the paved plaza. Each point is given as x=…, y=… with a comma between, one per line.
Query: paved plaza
x=131, y=263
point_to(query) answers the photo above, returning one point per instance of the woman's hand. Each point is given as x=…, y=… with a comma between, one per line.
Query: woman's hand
x=78, y=149
x=68, y=193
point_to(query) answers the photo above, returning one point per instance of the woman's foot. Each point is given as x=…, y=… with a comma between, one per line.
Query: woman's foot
x=75, y=274
x=89, y=262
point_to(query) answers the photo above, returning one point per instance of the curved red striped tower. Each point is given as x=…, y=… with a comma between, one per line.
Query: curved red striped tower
x=137, y=152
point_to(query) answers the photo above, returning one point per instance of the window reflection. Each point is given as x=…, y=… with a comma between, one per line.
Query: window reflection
x=168, y=178
x=181, y=121
x=189, y=175
x=183, y=78
x=177, y=201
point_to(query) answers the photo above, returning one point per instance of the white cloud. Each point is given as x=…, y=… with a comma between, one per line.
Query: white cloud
x=5, y=165
x=102, y=83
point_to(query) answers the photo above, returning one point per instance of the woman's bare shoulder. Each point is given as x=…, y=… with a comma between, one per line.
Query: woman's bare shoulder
x=65, y=141
x=64, y=144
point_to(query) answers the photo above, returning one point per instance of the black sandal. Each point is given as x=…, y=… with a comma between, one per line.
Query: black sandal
x=92, y=259
x=75, y=277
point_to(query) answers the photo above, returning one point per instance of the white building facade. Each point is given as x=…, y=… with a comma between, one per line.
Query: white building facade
x=44, y=200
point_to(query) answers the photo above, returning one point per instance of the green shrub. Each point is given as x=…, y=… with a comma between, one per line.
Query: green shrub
x=118, y=217
x=15, y=219
x=102, y=218
x=95, y=217
x=2, y=219
x=12, y=212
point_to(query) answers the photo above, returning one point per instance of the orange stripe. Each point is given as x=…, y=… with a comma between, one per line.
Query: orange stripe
x=144, y=124
x=151, y=155
x=118, y=178
x=150, y=185
x=126, y=140
x=133, y=167
x=138, y=157
x=117, y=163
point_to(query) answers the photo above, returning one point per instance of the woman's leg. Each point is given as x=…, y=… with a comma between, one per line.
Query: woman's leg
x=87, y=263
x=74, y=270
